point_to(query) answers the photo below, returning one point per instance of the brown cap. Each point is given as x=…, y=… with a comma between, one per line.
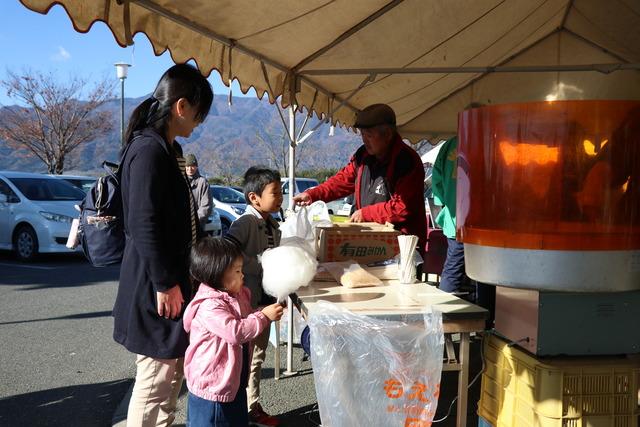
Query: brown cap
x=374, y=115
x=190, y=160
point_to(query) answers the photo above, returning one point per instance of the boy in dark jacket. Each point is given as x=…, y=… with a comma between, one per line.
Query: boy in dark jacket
x=255, y=231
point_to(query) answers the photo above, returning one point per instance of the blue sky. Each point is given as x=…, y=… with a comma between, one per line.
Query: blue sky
x=48, y=43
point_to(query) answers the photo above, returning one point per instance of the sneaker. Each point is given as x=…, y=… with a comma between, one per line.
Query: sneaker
x=259, y=418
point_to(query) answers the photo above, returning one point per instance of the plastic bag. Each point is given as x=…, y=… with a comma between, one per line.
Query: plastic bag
x=301, y=224
x=375, y=372
x=351, y=274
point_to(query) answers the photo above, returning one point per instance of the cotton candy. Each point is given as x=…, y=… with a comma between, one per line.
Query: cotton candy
x=285, y=269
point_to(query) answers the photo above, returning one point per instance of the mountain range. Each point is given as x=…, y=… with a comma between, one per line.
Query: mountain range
x=232, y=138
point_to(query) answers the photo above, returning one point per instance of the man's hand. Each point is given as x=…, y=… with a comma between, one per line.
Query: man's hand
x=357, y=216
x=170, y=302
x=302, y=199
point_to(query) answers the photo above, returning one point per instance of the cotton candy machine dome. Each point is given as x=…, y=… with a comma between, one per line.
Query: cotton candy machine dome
x=549, y=195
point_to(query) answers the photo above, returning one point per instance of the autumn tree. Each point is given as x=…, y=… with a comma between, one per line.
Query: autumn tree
x=53, y=117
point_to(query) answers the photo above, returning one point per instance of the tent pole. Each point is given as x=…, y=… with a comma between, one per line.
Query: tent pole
x=292, y=188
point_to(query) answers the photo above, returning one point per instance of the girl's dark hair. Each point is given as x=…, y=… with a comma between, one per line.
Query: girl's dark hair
x=210, y=258
x=256, y=178
x=179, y=81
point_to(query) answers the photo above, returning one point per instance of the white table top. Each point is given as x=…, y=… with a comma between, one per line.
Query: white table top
x=394, y=298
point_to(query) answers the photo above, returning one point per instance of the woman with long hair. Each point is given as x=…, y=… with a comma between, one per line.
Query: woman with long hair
x=160, y=225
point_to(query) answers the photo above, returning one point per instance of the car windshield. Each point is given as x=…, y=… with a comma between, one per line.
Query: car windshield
x=227, y=195
x=83, y=184
x=47, y=189
x=305, y=185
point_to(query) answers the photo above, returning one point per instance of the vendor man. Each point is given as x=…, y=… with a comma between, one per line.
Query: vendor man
x=385, y=175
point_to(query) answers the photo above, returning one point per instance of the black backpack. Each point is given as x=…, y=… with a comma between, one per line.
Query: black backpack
x=101, y=229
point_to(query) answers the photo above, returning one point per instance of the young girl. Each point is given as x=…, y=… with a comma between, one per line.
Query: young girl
x=160, y=224
x=221, y=326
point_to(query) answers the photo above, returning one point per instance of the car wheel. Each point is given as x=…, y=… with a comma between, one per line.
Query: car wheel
x=225, y=224
x=25, y=243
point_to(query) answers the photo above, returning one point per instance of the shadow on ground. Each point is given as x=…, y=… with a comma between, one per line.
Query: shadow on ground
x=53, y=271
x=84, y=405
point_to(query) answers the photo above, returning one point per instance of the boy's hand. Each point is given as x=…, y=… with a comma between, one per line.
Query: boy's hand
x=302, y=199
x=273, y=311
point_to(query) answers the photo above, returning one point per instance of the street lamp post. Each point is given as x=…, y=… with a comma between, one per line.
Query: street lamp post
x=121, y=71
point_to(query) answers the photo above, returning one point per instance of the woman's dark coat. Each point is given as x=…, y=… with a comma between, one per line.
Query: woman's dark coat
x=156, y=208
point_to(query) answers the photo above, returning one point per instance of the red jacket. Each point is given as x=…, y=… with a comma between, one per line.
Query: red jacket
x=405, y=178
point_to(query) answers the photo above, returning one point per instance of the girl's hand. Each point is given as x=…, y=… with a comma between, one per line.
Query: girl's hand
x=170, y=302
x=273, y=311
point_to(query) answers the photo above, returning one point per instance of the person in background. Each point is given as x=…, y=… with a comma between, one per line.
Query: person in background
x=443, y=184
x=385, y=175
x=221, y=325
x=254, y=232
x=199, y=188
x=160, y=225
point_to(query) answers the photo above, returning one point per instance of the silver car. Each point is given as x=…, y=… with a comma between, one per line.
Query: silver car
x=36, y=213
x=213, y=226
x=230, y=204
x=82, y=182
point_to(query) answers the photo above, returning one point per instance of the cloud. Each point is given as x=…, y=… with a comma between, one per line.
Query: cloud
x=61, y=55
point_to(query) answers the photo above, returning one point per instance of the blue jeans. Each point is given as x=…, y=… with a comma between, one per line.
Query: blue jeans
x=453, y=274
x=205, y=413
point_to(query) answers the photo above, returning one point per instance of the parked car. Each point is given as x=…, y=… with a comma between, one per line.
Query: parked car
x=213, y=227
x=302, y=184
x=230, y=204
x=82, y=182
x=341, y=207
x=35, y=213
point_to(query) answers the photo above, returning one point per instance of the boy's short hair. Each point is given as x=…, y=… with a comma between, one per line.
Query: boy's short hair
x=257, y=178
x=210, y=258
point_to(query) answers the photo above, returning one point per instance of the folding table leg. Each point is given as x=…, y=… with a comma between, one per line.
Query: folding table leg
x=463, y=380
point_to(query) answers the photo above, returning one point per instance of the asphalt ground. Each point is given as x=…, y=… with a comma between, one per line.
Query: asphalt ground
x=59, y=365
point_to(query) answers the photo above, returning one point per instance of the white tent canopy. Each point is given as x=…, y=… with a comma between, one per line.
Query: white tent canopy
x=427, y=59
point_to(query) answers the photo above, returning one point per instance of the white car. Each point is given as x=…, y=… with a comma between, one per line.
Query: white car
x=213, y=227
x=82, y=182
x=36, y=213
x=301, y=184
x=341, y=207
x=230, y=204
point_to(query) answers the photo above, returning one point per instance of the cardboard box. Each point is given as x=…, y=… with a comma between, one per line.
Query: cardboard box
x=363, y=242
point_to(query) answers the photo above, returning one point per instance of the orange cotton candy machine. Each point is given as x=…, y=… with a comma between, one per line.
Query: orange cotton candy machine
x=549, y=195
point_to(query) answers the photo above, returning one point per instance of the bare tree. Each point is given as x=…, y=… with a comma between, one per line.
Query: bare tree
x=54, y=117
x=277, y=150
x=222, y=167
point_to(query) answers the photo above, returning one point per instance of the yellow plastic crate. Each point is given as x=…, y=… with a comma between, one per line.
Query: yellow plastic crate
x=519, y=390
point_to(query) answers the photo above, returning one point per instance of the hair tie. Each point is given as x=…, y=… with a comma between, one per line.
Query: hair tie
x=153, y=110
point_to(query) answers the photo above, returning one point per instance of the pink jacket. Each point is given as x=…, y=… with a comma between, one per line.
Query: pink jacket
x=218, y=324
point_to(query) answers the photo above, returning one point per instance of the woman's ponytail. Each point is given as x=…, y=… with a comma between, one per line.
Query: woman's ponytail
x=138, y=118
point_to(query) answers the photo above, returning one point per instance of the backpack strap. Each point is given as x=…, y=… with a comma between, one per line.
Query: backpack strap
x=115, y=169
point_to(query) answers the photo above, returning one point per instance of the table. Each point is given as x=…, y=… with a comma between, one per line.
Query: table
x=458, y=316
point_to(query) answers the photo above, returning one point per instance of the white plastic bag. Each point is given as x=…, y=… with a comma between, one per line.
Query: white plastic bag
x=374, y=372
x=301, y=224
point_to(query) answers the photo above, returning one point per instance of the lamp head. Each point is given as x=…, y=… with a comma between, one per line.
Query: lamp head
x=121, y=69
